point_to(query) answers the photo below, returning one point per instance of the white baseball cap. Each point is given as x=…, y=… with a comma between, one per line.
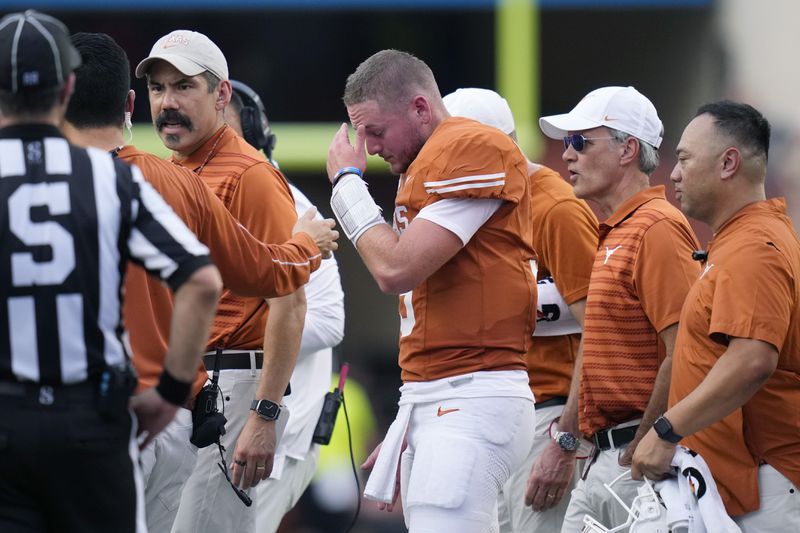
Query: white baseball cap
x=621, y=108
x=483, y=105
x=190, y=52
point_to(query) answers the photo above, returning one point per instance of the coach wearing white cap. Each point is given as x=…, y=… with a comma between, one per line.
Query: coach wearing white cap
x=641, y=274
x=189, y=89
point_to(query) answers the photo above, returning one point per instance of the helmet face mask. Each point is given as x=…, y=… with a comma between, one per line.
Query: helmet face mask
x=646, y=513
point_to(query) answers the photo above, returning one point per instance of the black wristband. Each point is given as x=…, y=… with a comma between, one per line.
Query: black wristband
x=172, y=390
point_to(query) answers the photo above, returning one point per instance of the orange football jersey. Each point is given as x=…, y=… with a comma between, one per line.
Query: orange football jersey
x=477, y=311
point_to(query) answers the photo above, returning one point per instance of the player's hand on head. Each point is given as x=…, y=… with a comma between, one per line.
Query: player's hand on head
x=342, y=154
x=153, y=414
x=320, y=230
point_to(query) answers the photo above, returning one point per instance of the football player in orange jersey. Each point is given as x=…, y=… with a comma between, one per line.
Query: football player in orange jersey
x=565, y=239
x=460, y=257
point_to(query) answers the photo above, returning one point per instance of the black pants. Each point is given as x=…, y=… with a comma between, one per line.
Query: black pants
x=63, y=468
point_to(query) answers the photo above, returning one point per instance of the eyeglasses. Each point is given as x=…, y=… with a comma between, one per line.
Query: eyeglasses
x=578, y=141
x=224, y=467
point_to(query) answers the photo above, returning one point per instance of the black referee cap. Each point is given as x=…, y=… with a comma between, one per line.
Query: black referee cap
x=35, y=52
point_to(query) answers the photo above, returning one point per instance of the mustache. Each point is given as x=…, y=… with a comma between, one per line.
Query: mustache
x=170, y=116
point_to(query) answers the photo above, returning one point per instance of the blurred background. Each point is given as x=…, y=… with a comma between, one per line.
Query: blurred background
x=543, y=56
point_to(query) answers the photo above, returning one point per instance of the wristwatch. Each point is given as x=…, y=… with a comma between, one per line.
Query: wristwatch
x=567, y=441
x=266, y=409
x=664, y=430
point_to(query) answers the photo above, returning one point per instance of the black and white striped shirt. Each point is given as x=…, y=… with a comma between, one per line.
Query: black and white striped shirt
x=70, y=219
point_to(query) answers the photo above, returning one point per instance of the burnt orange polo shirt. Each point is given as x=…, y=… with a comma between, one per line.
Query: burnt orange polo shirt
x=246, y=265
x=565, y=240
x=477, y=311
x=258, y=196
x=641, y=274
x=748, y=289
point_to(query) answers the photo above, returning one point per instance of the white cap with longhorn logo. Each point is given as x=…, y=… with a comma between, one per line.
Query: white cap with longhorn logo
x=620, y=108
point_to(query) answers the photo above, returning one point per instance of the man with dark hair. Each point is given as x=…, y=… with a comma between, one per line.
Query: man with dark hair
x=734, y=391
x=460, y=256
x=187, y=112
x=105, y=84
x=95, y=117
x=72, y=220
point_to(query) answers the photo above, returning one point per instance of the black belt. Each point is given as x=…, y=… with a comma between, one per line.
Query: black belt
x=233, y=360
x=605, y=439
x=237, y=361
x=84, y=392
x=556, y=400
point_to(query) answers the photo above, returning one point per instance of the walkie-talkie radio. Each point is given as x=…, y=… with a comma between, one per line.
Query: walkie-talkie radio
x=330, y=408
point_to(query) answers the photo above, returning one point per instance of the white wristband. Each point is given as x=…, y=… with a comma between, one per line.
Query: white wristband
x=353, y=206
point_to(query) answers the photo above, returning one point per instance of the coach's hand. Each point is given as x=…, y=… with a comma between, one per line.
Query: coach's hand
x=550, y=476
x=342, y=154
x=153, y=413
x=320, y=230
x=370, y=462
x=254, y=453
x=652, y=458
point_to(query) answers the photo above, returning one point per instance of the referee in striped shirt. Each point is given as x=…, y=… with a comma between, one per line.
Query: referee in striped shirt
x=70, y=219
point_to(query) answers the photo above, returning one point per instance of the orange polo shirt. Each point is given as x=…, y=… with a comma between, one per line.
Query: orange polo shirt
x=641, y=274
x=749, y=289
x=565, y=240
x=246, y=265
x=258, y=196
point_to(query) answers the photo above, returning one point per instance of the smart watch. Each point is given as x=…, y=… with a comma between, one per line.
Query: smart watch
x=567, y=441
x=266, y=409
x=664, y=430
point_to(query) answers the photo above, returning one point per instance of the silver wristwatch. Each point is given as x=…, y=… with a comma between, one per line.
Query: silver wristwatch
x=567, y=441
x=266, y=409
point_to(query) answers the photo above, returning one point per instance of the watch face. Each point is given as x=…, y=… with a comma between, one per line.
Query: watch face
x=568, y=442
x=267, y=409
x=664, y=430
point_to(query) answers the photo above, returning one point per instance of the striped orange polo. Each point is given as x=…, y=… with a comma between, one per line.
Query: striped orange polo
x=641, y=274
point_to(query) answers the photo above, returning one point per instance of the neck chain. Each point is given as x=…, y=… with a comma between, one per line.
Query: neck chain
x=211, y=152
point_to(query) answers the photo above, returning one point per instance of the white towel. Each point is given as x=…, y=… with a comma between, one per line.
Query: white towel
x=692, y=498
x=382, y=479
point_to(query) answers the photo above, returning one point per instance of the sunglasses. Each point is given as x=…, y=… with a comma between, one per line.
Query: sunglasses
x=578, y=141
x=242, y=495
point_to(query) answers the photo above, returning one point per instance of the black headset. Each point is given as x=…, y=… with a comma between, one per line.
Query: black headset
x=255, y=126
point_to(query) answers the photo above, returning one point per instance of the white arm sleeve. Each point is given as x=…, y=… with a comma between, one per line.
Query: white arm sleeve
x=462, y=216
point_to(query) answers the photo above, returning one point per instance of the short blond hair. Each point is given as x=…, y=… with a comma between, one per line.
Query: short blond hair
x=390, y=77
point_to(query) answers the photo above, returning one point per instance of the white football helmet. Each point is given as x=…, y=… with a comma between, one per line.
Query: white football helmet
x=646, y=514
